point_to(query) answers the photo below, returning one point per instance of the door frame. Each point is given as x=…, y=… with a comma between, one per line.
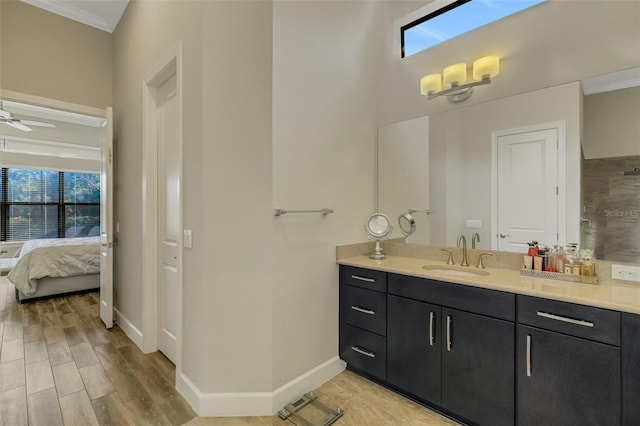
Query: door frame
x=560, y=127
x=169, y=65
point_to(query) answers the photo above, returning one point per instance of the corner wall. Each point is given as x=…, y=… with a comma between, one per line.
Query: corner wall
x=324, y=138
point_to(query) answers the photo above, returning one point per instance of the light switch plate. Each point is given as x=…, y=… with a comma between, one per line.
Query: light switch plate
x=187, y=240
x=474, y=223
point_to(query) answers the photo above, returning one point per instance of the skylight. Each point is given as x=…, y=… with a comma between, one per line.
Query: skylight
x=453, y=19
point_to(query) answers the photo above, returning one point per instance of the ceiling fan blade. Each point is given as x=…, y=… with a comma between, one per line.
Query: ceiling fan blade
x=19, y=126
x=37, y=123
x=5, y=114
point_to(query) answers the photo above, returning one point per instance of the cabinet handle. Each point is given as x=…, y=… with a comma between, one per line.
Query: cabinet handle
x=431, y=324
x=449, y=321
x=363, y=310
x=565, y=319
x=363, y=352
x=359, y=278
x=528, y=355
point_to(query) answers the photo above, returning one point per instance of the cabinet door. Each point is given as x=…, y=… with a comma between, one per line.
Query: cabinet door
x=630, y=369
x=478, y=368
x=565, y=380
x=413, y=347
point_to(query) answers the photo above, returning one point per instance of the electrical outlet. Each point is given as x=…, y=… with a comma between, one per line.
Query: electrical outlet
x=625, y=273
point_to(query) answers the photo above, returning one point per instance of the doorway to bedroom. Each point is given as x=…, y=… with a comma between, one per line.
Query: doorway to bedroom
x=53, y=193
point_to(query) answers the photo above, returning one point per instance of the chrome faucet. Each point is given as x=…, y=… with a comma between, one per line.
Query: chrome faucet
x=475, y=237
x=464, y=250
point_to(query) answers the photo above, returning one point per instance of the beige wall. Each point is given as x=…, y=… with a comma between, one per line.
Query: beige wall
x=552, y=43
x=260, y=294
x=226, y=185
x=612, y=124
x=324, y=62
x=54, y=57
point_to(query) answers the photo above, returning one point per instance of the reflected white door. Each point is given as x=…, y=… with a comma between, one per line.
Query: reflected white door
x=106, y=224
x=527, y=189
x=168, y=115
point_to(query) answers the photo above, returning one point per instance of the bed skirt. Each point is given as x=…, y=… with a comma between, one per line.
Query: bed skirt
x=59, y=286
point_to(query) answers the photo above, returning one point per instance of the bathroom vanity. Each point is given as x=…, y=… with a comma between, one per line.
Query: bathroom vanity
x=493, y=349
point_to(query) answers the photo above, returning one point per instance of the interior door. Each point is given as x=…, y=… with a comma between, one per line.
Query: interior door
x=527, y=189
x=106, y=224
x=168, y=114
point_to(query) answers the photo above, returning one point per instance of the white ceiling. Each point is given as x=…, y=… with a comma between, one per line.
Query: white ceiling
x=101, y=14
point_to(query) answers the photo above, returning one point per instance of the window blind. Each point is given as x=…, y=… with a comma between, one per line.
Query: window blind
x=48, y=204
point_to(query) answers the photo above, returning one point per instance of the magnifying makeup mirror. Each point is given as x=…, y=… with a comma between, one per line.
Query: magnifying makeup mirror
x=378, y=227
x=407, y=224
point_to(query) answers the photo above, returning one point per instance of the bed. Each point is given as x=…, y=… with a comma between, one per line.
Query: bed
x=56, y=266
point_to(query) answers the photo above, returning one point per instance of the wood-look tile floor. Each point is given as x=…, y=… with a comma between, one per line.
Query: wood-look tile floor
x=60, y=366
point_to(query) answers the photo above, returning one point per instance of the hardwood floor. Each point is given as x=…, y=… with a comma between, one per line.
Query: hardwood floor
x=60, y=366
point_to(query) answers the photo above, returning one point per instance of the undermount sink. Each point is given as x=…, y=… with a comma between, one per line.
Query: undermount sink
x=455, y=270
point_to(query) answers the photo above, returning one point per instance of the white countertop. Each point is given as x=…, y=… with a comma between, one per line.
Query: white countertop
x=608, y=294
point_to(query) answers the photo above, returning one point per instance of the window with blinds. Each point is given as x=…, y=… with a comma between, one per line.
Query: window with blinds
x=48, y=204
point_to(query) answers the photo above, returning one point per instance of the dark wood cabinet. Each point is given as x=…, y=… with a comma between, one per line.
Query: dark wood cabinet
x=470, y=353
x=565, y=380
x=363, y=321
x=478, y=368
x=459, y=361
x=630, y=370
x=568, y=364
x=414, y=345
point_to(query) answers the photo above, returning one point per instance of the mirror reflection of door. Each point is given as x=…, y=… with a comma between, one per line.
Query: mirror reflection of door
x=526, y=188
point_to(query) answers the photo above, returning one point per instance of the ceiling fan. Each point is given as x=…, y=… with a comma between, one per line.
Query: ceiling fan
x=7, y=118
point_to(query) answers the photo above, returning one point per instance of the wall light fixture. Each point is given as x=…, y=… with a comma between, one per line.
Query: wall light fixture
x=452, y=81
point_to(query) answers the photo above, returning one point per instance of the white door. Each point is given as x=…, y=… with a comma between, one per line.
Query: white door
x=526, y=189
x=106, y=224
x=168, y=115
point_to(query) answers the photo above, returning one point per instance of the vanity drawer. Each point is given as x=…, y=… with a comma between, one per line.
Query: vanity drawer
x=364, y=278
x=364, y=351
x=600, y=325
x=493, y=303
x=364, y=308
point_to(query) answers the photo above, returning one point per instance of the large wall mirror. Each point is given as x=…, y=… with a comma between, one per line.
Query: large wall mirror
x=449, y=163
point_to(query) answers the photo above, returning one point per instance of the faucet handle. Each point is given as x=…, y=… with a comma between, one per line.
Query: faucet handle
x=480, y=264
x=450, y=260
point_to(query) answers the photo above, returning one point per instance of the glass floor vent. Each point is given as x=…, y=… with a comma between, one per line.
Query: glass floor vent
x=308, y=411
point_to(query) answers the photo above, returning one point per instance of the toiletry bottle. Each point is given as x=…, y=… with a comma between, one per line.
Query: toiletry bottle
x=560, y=260
x=550, y=264
x=575, y=265
x=588, y=268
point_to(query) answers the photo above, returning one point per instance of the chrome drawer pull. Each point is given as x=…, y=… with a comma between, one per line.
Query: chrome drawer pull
x=359, y=278
x=565, y=319
x=431, y=323
x=364, y=311
x=363, y=352
x=528, y=355
x=448, y=333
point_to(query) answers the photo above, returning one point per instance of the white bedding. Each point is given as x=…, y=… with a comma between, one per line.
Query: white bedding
x=61, y=257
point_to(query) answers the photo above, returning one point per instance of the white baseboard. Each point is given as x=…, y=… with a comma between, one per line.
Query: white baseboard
x=129, y=329
x=256, y=403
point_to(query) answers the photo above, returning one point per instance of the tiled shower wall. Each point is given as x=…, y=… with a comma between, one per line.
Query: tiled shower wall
x=612, y=204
